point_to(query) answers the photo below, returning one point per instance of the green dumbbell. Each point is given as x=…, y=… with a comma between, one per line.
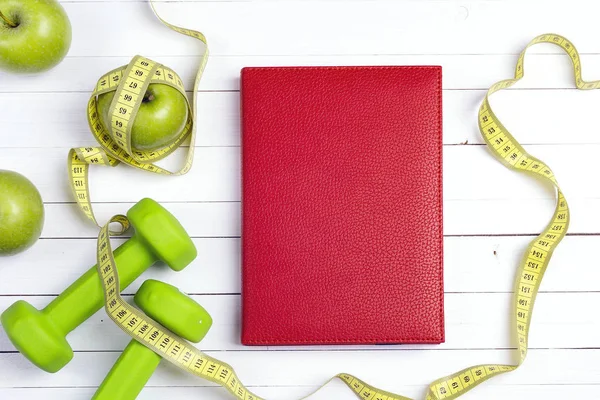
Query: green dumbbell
x=41, y=335
x=173, y=309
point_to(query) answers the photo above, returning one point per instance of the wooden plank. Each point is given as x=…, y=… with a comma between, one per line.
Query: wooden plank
x=215, y=270
x=215, y=176
x=61, y=119
x=300, y=27
x=473, y=321
x=461, y=71
x=472, y=264
x=461, y=217
x=470, y=173
x=390, y=370
x=336, y=389
x=214, y=219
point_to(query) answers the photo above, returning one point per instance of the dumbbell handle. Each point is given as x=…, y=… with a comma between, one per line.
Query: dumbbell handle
x=85, y=296
x=130, y=373
x=169, y=307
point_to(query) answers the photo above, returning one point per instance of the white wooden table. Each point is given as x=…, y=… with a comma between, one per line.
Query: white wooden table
x=490, y=213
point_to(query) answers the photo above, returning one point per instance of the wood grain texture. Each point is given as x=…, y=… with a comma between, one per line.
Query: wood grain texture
x=490, y=212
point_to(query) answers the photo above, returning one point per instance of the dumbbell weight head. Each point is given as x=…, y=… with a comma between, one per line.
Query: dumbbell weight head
x=163, y=233
x=173, y=309
x=36, y=336
x=41, y=335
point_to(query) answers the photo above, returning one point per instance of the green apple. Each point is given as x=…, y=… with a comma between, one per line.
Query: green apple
x=35, y=35
x=21, y=213
x=159, y=120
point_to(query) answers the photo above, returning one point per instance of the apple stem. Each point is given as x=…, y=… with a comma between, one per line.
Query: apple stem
x=148, y=97
x=8, y=21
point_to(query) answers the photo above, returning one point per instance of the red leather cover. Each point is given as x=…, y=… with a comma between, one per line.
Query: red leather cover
x=342, y=205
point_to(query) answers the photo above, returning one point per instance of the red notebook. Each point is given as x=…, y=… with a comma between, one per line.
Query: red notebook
x=342, y=205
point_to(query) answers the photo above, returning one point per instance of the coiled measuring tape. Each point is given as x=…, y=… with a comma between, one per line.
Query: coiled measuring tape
x=531, y=270
x=129, y=84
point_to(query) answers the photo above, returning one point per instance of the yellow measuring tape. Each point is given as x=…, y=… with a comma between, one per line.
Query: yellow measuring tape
x=504, y=146
x=129, y=84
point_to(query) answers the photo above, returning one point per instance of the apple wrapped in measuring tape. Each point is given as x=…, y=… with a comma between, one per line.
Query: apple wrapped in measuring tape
x=160, y=119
